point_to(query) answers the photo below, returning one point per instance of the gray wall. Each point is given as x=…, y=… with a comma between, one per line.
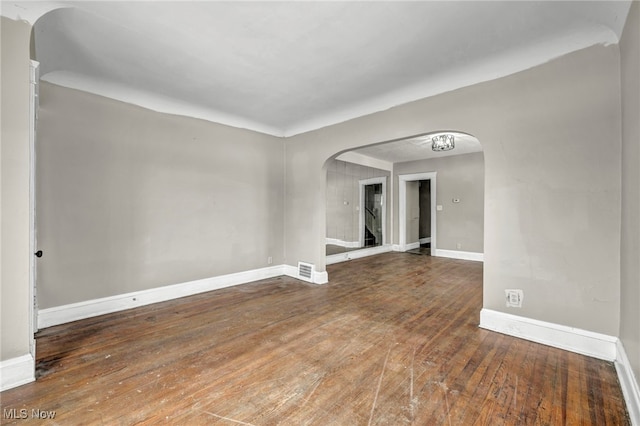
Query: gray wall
x=14, y=184
x=459, y=176
x=545, y=133
x=130, y=199
x=343, y=187
x=630, y=244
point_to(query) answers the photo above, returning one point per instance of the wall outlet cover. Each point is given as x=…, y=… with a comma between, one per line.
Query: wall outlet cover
x=514, y=298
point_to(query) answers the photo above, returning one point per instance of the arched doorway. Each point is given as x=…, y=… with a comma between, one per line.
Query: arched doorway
x=454, y=210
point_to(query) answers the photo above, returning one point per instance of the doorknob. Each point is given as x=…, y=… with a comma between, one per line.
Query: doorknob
x=38, y=253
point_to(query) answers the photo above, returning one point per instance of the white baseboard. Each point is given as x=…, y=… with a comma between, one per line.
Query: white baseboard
x=320, y=277
x=425, y=240
x=629, y=384
x=464, y=255
x=357, y=254
x=412, y=246
x=584, y=342
x=342, y=243
x=91, y=308
x=16, y=372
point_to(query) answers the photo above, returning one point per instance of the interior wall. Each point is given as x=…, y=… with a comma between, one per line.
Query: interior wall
x=461, y=177
x=14, y=186
x=545, y=132
x=131, y=199
x=630, y=231
x=343, y=198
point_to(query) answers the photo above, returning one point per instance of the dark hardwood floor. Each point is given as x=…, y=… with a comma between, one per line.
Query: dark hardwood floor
x=391, y=340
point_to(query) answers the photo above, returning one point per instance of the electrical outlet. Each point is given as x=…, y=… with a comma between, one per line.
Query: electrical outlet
x=269, y=260
x=458, y=246
x=514, y=298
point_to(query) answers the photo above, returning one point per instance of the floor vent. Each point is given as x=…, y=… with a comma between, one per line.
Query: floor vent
x=305, y=271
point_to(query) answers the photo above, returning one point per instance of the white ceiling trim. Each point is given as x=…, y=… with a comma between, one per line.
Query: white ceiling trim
x=153, y=101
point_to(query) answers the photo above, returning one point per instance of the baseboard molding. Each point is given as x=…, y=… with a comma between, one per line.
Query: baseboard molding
x=412, y=246
x=342, y=243
x=16, y=372
x=628, y=383
x=357, y=254
x=91, y=308
x=463, y=255
x=425, y=240
x=584, y=342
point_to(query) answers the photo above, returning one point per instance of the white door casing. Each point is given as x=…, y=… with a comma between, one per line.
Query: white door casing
x=402, y=207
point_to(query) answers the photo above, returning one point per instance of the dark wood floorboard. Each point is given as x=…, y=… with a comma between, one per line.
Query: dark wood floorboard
x=393, y=339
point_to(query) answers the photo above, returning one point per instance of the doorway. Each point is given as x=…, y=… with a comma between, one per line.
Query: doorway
x=372, y=210
x=412, y=215
x=372, y=223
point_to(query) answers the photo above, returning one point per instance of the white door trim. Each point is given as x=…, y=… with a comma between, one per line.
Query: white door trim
x=402, y=206
x=34, y=77
x=372, y=181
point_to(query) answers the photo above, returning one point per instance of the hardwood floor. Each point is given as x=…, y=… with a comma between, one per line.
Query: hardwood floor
x=401, y=348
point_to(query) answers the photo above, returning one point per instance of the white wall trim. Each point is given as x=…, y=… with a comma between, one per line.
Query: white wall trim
x=17, y=371
x=464, y=255
x=357, y=254
x=342, y=243
x=628, y=383
x=584, y=342
x=425, y=240
x=320, y=277
x=91, y=308
x=412, y=246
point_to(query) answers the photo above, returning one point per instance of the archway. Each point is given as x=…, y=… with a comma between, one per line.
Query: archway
x=456, y=209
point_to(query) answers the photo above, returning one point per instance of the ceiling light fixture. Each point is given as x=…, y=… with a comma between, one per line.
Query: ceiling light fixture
x=444, y=142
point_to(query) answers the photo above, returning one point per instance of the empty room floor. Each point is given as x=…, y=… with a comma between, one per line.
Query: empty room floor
x=393, y=339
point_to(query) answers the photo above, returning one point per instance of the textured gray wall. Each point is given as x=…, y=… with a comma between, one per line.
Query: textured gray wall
x=630, y=245
x=343, y=187
x=551, y=140
x=14, y=181
x=459, y=176
x=130, y=199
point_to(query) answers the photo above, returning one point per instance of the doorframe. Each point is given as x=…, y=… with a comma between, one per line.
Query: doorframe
x=402, y=206
x=372, y=181
x=34, y=78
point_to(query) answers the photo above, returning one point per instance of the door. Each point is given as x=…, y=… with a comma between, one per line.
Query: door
x=408, y=195
x=373, y=215
x=413, y=213
x=425, y=212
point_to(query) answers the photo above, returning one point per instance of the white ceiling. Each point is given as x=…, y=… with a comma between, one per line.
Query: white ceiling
x=288, y=67
x=419, y=148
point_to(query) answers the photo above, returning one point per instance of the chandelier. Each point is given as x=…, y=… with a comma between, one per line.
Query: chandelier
x=444, y=142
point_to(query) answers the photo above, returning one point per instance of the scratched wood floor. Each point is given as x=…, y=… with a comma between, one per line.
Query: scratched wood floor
x=391, y=340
